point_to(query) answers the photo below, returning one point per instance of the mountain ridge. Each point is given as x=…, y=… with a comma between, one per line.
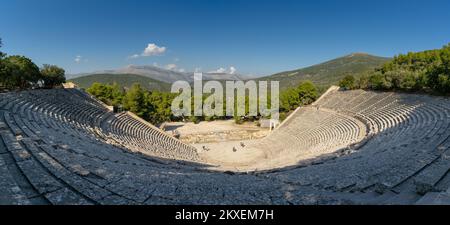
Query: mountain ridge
x=329, y=72
x=123, y=80
x=323, y=74
x=163, y=75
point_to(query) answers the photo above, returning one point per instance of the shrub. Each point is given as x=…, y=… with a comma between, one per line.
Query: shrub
x=52, y=75
x=348, y=82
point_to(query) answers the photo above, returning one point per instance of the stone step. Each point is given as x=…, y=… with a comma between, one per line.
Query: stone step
x=435, y=198
x=11, y=193
x=426, y=180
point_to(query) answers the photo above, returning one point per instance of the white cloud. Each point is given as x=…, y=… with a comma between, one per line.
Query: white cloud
x=153, y=49
x=171, y=66
x=135, y=56
x=78, y=58
x=220, y=70
x=232, y=70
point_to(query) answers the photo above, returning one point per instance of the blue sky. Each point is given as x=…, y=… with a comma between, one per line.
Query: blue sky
x=254, y=37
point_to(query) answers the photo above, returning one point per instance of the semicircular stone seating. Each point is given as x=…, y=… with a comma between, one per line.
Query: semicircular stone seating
x=63, y=146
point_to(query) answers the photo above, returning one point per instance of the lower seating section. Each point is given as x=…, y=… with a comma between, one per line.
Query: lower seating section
x=350, y=147
x=309, y=134
x=138, y=135
x=57, y=168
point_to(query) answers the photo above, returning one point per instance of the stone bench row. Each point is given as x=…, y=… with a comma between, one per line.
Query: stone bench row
x=134, y=133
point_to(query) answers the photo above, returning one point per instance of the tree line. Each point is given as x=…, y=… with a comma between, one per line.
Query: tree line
x=427, y=71
x=155, y=106
x=19, y=72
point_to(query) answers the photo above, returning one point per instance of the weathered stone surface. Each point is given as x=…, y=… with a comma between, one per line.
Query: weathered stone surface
x=11, y=194
x=39, y=178
x=435, y=198
x=65, y=196
x=352, y=147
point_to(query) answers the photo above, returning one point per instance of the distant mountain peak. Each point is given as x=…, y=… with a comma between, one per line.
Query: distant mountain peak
x=358, y=54
x=143, y=67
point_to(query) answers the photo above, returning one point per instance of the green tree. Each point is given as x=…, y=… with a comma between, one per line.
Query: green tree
x=135, y=101
x=52, y=75
x=348, y=82
x=99, y=91
x=425, y=71
x=289, y=99
x=20, y=72
x=442, y=72
x=363, y=82
x=159, y=106
x=2, y=67
x=306, y=93
x=1, y=53
x=378, y=81
x=5, y=74
x=116, y=94
x=444, y=83
x=109, y=94
x=408, y=81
